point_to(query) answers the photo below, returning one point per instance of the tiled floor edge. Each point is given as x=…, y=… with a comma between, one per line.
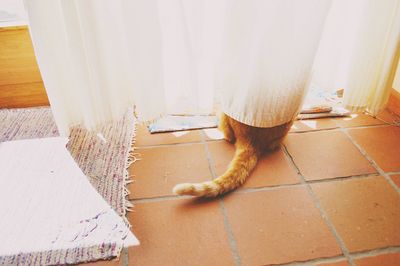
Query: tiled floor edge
x=322, y=212
x=373, y=163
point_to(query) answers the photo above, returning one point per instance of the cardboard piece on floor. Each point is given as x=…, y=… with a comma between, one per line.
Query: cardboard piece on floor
x=172, y=123
x=47, y=203
x=334, y=112
x=179, y=123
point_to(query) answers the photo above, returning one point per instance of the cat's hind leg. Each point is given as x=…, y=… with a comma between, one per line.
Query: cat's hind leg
x=274, y=144
x=226, y=128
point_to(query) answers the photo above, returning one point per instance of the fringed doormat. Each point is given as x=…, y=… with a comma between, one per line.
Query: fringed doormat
x=103, y=156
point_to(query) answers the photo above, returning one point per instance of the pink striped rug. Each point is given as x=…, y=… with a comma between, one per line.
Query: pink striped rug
x=103, y=156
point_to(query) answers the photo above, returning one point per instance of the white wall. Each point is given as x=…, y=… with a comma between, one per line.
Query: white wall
x=12, y=13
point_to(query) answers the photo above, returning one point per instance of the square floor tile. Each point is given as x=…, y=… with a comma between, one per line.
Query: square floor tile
x=382, y=144
x=328, y=154
x=357, y=120
x=364, y=211
x=389, y=259
x=272, y=169
x=313, y=124
x=144, y=138
x=161, y=168
x=396, y=180
x=179, y=232
x=278, y=226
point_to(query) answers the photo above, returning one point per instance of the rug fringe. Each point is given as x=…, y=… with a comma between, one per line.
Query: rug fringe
x=129, y=160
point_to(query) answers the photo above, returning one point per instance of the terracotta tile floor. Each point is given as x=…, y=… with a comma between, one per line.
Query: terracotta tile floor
x=329, y=196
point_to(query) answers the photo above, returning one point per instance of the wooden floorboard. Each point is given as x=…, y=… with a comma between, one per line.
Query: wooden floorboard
x=21, y=84
x=23, y=95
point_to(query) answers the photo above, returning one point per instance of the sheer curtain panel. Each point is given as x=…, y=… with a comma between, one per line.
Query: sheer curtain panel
x=100, y=57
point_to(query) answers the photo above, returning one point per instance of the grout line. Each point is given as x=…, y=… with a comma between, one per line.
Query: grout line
x=338, y=128
x=268, y=188
x=336, y=121
x=301, y=184
x=356, y=255
x=228, y=229
x=214, y=140
x=372, y=162
x=313, y=130
x=211, y=166
x=255, y=189
x=124, y=257
x=341, y=178
x=393, y=173
x=168, y=145
x=231, y=237
x=316, y=261
x=159, y=198
x=322, y=212
x=375, y=252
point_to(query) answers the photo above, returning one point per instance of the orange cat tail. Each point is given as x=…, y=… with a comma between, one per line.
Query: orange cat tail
x=243, y=162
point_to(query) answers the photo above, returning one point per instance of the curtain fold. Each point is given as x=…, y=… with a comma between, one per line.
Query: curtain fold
x=359, y=51
x=99, y=57
x=267, y=57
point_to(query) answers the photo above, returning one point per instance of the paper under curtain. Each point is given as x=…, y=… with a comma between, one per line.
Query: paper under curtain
x=99, y=57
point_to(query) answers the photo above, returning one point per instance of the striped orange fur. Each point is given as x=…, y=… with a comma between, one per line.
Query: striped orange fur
x=250, y=143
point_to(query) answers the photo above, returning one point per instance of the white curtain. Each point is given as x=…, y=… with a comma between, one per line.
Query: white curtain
x=99, y=57
x=266, y=58
x=359, y=52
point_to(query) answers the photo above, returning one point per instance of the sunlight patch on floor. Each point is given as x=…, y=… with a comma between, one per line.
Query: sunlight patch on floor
x=179, y=134
x=351, y=117
x=213, y=133
x=309, y=123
